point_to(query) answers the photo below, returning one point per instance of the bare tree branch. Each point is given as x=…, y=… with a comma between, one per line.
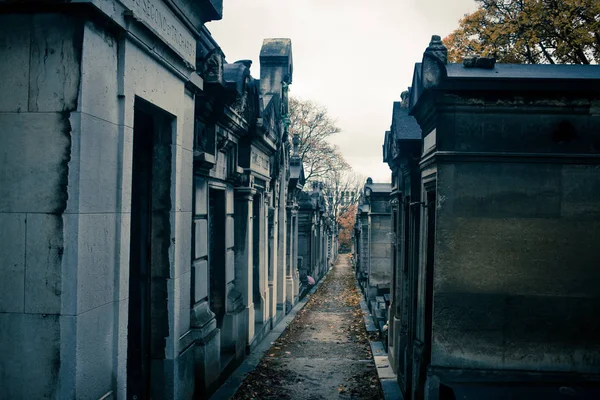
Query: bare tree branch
x=313, y=126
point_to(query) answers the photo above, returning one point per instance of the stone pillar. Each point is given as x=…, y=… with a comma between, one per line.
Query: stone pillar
x=243, y=254
x=281, y=253
x=295, y=270
x=291, y=270
x=321, y=240
x=272, y=266
x=309, y=264
x=264, y=258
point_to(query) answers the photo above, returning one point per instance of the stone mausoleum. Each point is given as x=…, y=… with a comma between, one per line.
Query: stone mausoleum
x=373, y=248
x=148, y=200
x=317, y=235
x=497, y=219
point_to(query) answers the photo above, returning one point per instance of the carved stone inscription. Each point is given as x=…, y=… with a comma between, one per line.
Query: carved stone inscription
x=220, y=169
x=157, y=16
x=260, y=162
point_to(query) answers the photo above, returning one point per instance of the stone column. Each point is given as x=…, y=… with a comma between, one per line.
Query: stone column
x=320, y=241
x=290, y=281
x=281, y=253
x=272, y=266
x=264, y=258
x=243, y=254
x=295, y=271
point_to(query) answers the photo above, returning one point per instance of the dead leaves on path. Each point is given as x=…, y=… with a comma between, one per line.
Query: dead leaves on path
x=338, y=294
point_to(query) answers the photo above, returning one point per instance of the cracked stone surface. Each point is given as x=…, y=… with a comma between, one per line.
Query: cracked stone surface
x=324, y=353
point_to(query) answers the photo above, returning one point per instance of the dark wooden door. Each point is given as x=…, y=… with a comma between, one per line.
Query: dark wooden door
x=413, y=215
x=216, y=255
x=431, y=196
x=138, y=331
x=423, y=348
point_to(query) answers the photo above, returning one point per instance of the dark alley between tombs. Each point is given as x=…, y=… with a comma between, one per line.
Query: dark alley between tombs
x=176, y=224
x=324, y=353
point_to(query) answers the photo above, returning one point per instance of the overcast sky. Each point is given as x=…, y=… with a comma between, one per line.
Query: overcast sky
x=353, y=56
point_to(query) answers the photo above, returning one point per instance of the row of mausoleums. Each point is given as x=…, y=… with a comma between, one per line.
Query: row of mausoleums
x=494, y=279
x=373, y=249
x=152, y=219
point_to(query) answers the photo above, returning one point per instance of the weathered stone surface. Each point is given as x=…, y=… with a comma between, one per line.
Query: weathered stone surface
x=123, y=246
x=201, y=238
x=184, y=161
x=229, y=199
x=200, y=271
x=466, y=266
x=201, y=196
x=96, y=261
x=94, y=166
x=208, y=358
x=380, y=250
x=473, y=330
x=229, y=266
x=55, y=62
x=121, y=358
x=30, y=369
x=518, y=132
x=180, y=296
x=229, y=232
x=181, y=243
x=94, y=344
x=152, y=82
x=12, y=262
x=36, y=149
x=44, y=255
x=580, y=185
x=185, y=137
x=486, y=189
x=183, y=375
x=15, y=30
x=99, y=88
x=124, y=190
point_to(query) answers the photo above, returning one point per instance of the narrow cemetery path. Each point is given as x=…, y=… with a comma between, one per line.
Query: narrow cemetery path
x=324, y=353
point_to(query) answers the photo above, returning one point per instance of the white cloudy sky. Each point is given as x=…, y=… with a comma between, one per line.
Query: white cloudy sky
x=353, y=56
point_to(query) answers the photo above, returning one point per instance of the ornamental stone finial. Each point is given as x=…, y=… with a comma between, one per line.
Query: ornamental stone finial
x=296, y=143
x=404, y=97
x=437, y=49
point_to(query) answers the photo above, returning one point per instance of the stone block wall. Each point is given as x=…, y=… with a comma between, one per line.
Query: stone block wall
x=516, y=262
x=66, y=118
x=37, y=303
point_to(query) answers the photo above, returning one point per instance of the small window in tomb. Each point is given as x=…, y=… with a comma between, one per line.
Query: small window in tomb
x=204, y=138
x=231, y=160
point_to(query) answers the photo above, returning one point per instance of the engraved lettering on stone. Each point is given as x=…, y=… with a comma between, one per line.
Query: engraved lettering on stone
x=260, y=162
x=166, y=25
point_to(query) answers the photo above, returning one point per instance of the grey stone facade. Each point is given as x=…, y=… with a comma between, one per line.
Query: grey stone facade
x=147, y=200
x=246, y=182
x=497, y=219
x=373, y=248
x=317, y=236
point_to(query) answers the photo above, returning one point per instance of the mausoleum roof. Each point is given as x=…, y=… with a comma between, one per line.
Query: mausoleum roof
x=404, y=126
x=379, y=187
x=526, y=71
x=276, y=47
x=235, y=75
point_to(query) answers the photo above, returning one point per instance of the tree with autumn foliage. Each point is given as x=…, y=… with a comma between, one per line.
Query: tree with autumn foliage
x=323, y=161
x=342, y=188
x=314, y=127
x=530, y=31
x=345, y=221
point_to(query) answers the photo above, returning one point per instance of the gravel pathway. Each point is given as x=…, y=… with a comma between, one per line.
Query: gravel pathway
x=324, y=353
